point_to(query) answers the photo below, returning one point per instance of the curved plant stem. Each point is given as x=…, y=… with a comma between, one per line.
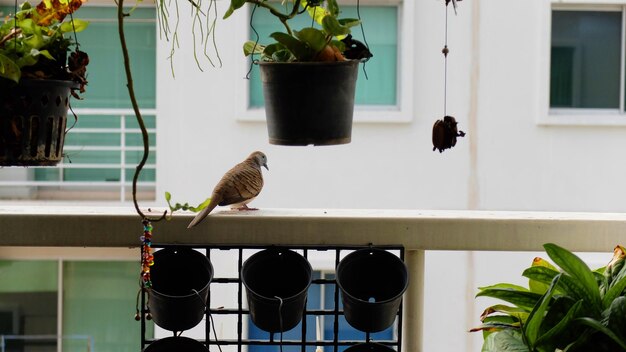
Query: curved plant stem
x=133, y=99
x=283, y=17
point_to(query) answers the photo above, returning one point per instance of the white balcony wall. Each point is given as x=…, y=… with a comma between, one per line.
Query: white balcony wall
x=513, y=158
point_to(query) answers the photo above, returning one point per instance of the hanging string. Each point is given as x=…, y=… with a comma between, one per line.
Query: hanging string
x=358, y=15
x=256, y=41
x=280, y=320
x=445, y=52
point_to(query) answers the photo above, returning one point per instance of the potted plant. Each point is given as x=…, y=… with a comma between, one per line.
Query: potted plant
x=568, y=309
x=309, y=75
x=37, y=77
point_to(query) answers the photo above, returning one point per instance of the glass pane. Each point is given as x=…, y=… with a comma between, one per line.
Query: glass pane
x=381, y=33
x=95, y=313
x=585, y=59
x=28, y=305
x=107, y=80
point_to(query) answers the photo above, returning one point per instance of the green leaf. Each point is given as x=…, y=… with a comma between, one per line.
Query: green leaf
x=333, y=7
x=596, y=325
x=531, y=329
x=614, y=292
x=505, y=341
x=299, y=49
x=228, y=12
x=282, y=55
x=46, y=54
x=575, y=267
x=349, y=22
x=313, y=37
x=540, y=278
x=540, y=286
x=616, y=317
x=317, y=13
x=332, y=26
x=201, y=205
x=251, y=47
x=505, y=286
x=561, y=326
x=234, y=5
x=518, y=313
x=168, y=196
x=9, y=69
x=523, y=299
x=79, y=25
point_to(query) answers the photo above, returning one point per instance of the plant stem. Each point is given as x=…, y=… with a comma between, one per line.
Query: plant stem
x=283, y=17
x=133, y=99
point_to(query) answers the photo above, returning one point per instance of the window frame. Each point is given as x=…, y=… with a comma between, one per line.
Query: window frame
x=580, y=116
x=402, y=111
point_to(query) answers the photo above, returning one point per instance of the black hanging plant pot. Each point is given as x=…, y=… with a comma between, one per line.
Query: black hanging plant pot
x=309, y=103
x=176, y=343
x=276, y=282
x=180, y=285
x=33, y=119
x=372, y=282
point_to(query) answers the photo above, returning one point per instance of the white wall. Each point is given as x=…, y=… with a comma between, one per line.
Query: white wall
x=498, y=88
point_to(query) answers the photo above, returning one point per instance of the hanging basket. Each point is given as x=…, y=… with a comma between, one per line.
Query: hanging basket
x=372, y=282
x=33, y=118
x=309, y=102
x=176, y=343
x=180, y=285
x=276, y=273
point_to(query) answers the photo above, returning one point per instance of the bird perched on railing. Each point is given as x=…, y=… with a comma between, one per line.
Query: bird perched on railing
x=238, y=187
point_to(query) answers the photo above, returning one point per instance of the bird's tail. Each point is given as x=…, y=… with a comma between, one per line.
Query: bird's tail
x=203, y=214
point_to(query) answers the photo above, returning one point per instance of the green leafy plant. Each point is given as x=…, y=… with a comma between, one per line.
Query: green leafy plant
x=35, y=41
x=186, y=206
x=568, y=309
x=330, y=41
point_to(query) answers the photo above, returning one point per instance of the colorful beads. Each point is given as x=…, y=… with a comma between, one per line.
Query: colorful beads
x=147, y=259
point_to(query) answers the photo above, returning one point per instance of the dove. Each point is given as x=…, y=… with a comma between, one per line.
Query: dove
x=238, y=187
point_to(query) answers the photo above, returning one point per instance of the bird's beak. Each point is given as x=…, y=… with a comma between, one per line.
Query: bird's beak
x=268, y=169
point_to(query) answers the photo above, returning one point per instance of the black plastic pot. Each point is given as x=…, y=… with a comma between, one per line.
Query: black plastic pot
x=180, y=284
x=309, y=102
x=33, y=117
x=369, y=347
x=372, y=282
x=176, y=344
x=274, y=273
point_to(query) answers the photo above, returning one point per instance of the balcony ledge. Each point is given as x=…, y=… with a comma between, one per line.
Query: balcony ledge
x=71, y=226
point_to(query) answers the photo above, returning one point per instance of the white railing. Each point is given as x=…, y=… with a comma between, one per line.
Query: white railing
x=417, y=231
x=124, y=167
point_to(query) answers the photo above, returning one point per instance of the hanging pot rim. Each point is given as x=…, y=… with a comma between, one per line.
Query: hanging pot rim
x=385, y=253
x=27, y=81
x=284, y=299
x=348, y=62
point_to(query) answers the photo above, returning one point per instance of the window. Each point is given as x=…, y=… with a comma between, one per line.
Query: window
x=105, y=146
x=34, y=294
x=318, y=297
x=384, y=95
x=586, y=60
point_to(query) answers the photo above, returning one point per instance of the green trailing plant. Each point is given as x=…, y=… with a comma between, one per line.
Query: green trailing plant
x=566, y=307
x=186, y=206
x=35, y=41
x=330, y=40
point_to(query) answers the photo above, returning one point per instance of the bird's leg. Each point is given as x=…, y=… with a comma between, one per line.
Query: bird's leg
x=245, y=208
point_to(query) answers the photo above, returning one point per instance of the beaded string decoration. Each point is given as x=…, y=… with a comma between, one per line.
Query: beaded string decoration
x=147, y=259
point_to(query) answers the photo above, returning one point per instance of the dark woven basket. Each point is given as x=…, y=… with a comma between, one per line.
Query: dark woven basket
x=33, y=117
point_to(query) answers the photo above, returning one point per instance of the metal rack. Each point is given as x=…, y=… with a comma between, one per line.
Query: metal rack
x=240, y=312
